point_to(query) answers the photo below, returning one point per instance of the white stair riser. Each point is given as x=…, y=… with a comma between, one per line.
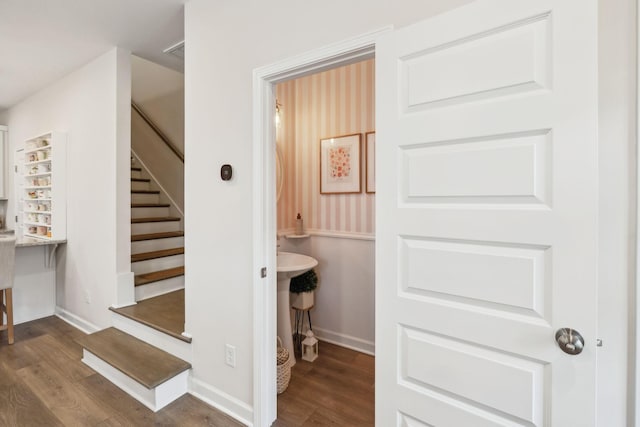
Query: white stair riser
x=160, y=287
x=154, y=399
x=157, y=264
x=136, y=174
x=156, y=244
x=155, y=227
x=149, y=212
x=178, y=348
x=145, y=198
x=137, y=185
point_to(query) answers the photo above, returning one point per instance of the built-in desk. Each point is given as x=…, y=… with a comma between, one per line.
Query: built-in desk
x=34, y=294
x=50, y=246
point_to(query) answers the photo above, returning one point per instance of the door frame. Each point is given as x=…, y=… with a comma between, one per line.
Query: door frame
x=265, y=78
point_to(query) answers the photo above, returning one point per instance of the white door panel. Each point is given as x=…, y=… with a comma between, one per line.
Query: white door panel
x=486, y=211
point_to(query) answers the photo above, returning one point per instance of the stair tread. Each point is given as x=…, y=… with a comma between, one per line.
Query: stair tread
x=154, y=219
x=143, y=362
x=155, y=276
x=145, y=192
x=145, y=256
x=150, y=205
x=140, y=180
x=154, y=236
x=133, y=168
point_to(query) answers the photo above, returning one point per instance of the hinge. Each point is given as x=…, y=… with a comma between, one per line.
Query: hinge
x=263, y=272
x=15, y=168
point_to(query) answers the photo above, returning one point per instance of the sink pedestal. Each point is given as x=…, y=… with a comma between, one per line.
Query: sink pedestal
x=284, y=318
x=289, y=265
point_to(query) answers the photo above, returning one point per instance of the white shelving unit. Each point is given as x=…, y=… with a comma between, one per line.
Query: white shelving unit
x=42, y=165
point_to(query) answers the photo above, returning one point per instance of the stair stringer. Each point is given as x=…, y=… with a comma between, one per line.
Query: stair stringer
x=175, y=210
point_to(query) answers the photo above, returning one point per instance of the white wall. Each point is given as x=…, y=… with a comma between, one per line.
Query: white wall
x=34, y=287
x=85, y=104
x=225, y=42
x=160, y=92
x=343, y=312
x=617, y=55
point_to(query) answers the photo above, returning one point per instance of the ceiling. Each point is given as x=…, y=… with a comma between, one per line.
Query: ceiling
x=44, y=40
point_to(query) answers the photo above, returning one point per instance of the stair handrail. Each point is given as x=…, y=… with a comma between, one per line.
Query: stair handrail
x=158, y=132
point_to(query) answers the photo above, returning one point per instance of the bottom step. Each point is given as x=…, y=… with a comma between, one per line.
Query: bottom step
x=150, y=375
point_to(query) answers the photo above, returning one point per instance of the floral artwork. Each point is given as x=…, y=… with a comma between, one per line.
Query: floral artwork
x=340, y=164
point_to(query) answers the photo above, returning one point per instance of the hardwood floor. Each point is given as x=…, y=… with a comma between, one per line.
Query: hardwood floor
x=335, y=390
x=44, y=383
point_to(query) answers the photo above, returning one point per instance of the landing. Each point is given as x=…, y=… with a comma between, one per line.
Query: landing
x=164, y=313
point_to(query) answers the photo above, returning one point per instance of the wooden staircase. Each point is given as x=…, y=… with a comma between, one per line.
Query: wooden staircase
x=157, y=240
x=145, y=353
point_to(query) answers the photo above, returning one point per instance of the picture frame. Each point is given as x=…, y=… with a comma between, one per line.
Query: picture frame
x=340, y=164
x=370, y=156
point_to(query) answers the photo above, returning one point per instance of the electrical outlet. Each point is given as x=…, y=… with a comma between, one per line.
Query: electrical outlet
x=230, y=355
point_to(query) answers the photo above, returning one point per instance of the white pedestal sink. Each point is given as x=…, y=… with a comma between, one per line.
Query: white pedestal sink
x=289, y=265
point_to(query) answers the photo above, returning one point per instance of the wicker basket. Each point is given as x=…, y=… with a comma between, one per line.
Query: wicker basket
x=284, y=367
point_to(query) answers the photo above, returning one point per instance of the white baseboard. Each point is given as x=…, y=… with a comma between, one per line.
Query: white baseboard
x=347, y=341
x=220, y=400
x=76, y=321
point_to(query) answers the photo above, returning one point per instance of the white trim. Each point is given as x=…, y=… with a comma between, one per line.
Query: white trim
x=347, y=341
x=634, y=386
x=76, y=321
x=264, y=202
x=342, y=235
x=222, y=401
x=146, y=169
x=125, y=294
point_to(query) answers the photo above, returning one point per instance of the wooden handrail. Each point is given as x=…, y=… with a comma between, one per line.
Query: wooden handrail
x=158, y=132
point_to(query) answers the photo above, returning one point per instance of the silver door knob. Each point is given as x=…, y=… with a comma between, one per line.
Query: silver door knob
x=570, y=341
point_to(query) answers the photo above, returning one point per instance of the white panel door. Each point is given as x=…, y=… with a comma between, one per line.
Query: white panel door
x=487, y=216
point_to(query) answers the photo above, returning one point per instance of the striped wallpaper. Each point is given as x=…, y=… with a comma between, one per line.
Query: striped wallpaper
x=333, y=103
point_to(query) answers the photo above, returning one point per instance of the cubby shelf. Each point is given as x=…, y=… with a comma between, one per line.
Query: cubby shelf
x=53, y=147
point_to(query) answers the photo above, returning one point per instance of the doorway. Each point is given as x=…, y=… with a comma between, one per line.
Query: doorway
x=265, y=214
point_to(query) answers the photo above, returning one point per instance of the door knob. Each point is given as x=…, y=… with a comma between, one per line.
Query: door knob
x=570, y=341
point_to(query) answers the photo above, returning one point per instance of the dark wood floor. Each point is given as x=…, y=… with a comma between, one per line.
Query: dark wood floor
x=44, y=383
x=335, y=390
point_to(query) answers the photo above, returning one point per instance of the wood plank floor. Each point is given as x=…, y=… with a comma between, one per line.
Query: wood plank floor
x=335, y=390
x=44, y=383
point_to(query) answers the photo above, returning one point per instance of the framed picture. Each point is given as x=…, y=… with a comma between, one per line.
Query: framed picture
x=340, y=164
x=370, y=141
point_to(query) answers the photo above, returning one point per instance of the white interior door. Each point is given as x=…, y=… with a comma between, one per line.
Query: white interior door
x=487, y=216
